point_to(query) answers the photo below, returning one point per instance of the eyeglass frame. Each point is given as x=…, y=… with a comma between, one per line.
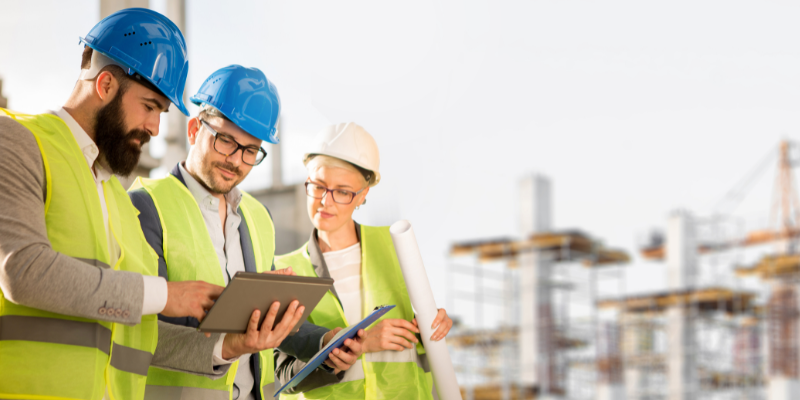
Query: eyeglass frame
x=214, y=133
x=327, y=190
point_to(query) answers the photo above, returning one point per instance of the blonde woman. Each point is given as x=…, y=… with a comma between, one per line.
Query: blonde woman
x=342, y=167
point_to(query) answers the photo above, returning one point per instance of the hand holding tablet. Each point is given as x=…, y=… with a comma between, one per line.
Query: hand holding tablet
x=249, y=291
x=268, y=337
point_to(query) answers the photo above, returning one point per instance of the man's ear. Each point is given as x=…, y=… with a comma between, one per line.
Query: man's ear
x=193, y=129
x=106, y=86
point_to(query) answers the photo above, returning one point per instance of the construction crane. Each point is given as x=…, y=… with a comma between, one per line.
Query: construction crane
x=784, y=215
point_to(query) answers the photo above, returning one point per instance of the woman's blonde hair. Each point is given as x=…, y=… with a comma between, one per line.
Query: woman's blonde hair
x=316, y=161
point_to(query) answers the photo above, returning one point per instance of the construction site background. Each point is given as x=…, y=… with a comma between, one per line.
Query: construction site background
x=579, y=282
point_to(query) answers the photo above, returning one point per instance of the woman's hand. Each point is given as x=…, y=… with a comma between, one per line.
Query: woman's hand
x=390, y=334
x=342, y=358
x=442, y=323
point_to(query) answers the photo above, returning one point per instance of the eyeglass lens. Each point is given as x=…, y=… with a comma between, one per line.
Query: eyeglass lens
x=228, y=146
x=339, y=196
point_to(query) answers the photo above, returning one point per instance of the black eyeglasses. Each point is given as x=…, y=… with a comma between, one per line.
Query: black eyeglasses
x=340, y=196
x=225, y=145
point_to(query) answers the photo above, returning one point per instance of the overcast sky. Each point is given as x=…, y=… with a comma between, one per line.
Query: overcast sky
x=632, y=108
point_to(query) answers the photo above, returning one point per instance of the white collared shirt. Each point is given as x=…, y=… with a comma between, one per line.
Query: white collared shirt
x=228, y=246
x=155, y=288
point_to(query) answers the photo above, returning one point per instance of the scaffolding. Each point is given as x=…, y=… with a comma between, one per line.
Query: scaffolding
x=486, y=276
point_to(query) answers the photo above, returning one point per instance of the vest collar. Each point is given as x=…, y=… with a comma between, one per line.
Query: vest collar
x=248, y=254
x=318, y=261
x=177, y=173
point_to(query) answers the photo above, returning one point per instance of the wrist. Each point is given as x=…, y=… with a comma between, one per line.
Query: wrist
x=229, y=348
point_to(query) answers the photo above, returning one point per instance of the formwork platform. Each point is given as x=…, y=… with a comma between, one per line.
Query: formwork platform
x=773, y=266
x=564, y=245
x=710, y=299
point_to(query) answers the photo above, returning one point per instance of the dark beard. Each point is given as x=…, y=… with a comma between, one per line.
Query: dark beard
x=115, y=144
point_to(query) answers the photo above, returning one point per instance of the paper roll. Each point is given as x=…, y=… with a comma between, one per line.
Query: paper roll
x=419, y=290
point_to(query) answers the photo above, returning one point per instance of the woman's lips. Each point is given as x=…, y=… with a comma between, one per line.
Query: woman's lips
x=325, y=215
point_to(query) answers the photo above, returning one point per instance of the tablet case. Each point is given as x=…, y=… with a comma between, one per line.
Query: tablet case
x=248, y=291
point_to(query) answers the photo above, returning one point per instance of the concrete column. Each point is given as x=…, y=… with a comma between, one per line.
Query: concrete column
x=633, y=378
x=610, y=392
x=175, y=136
x=681, y=251
x=780, y=388
x=535, y=339
x=3, y=100
x=108, y=7
x=276, y=153
x=681, y=255
x=681, y=368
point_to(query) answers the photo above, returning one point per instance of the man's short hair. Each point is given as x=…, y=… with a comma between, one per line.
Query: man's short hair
x=119, y=74
x=211, y=112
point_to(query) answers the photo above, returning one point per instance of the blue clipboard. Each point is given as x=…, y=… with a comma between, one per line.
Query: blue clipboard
x=322, y=356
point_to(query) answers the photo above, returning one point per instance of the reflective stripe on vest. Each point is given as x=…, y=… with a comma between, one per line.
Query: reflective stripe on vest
x=55, y=356
x=50, y=330
x=386, y=374
x=182, y=392
x=190, y=255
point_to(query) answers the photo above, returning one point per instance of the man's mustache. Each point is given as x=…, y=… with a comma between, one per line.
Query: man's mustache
x=228, y=166
x=140, y=134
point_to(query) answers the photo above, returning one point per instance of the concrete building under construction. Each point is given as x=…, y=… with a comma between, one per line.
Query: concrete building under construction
x=551, y=314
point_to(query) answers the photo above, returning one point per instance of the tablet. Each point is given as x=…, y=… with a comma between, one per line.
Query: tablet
x=249, y=291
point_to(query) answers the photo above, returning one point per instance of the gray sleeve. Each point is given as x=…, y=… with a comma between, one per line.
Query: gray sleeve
x=287, y=366
x=185, y=349
x=293, y=354
x=31, y=272
x=305, y=343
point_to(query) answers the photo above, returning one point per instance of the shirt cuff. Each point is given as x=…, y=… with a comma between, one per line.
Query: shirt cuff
x=155, y=295
x=216, y=358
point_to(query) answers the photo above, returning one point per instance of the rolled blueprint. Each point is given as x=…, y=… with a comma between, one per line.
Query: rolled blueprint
x=419, y=290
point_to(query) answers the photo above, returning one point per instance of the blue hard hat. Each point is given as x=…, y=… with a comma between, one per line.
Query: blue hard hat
x=246, y=97
x=149, y=44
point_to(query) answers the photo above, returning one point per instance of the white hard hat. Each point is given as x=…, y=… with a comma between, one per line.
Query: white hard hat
x=351, y=143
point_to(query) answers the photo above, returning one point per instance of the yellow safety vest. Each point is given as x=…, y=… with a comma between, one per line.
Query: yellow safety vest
x=44, y=355
x=388, y=374
x=189, y=254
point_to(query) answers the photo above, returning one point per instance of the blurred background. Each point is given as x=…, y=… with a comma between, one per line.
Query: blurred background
x=603, y=192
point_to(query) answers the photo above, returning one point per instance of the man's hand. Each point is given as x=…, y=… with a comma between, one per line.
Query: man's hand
x=342, y=358
x=255, y=340
x=390, y=334
x=285, y=271
x=443, y=322
x=190, y=298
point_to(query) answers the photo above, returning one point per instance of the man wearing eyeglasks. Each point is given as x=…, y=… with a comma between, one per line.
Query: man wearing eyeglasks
x=203, y=227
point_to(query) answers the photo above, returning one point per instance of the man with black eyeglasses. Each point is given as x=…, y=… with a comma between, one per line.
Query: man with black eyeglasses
x=203, y=227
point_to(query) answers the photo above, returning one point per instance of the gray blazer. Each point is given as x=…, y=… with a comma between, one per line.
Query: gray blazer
x=33, y=274
x=302, y=345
